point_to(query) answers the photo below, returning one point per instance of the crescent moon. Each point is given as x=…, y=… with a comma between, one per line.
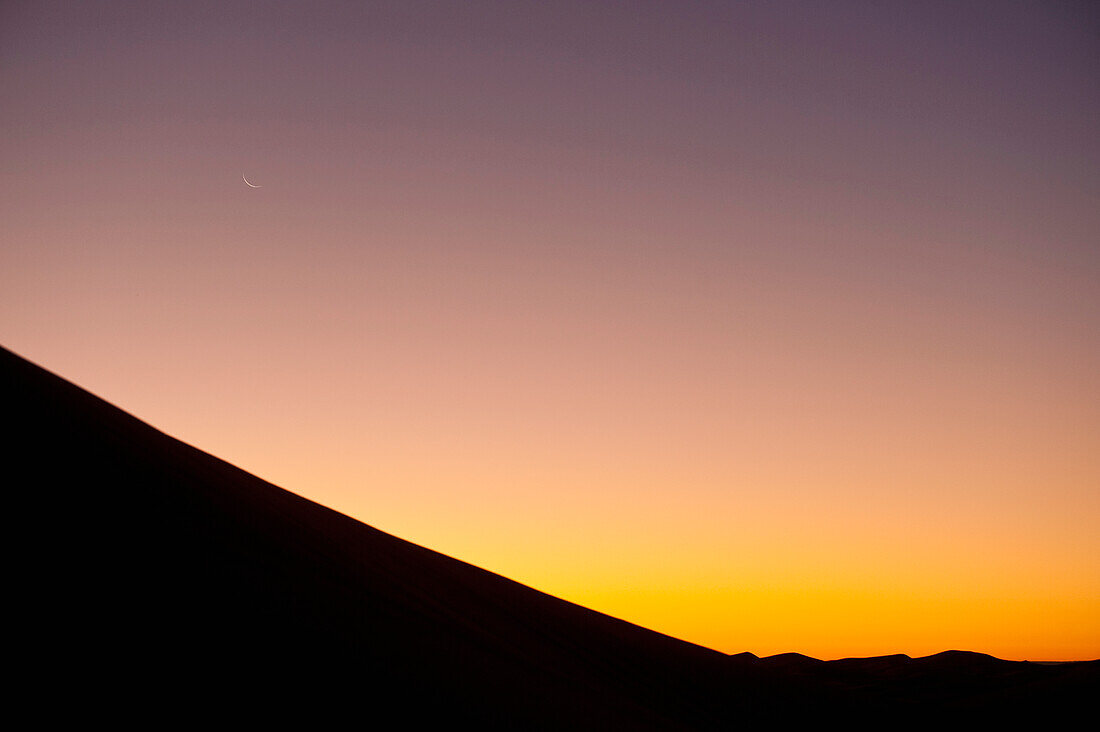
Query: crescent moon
x=247, y=183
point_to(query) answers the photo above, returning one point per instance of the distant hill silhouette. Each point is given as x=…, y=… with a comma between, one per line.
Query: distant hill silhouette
x=157, y=579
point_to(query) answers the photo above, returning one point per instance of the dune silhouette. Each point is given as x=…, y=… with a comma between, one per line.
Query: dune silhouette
x=172, y=579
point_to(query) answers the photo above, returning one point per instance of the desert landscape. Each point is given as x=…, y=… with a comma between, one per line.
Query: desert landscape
x=552, y=364
x=208, y=588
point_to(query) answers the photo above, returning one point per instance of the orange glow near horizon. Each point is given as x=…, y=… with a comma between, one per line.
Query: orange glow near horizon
x=769, y=332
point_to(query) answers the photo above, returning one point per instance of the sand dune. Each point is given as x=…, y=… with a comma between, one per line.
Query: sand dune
x=166, y=579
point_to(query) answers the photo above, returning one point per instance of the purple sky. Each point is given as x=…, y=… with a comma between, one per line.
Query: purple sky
x=702, y=314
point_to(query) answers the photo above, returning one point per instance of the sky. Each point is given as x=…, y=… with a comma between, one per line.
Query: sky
x=772, y=326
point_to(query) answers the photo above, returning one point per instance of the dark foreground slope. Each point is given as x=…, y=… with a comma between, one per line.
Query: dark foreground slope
x=163, y=580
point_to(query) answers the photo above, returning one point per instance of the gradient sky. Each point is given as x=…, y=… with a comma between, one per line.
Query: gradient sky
x=771, y=326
